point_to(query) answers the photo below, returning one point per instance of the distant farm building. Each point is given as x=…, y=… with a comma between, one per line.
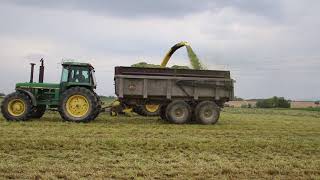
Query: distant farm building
x=304, y=104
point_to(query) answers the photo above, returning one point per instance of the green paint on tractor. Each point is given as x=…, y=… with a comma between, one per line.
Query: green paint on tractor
x=38, y=85
x=49, y=93
x=75, y=91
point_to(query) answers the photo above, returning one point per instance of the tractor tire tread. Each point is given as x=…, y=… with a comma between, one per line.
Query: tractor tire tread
x=175, y=120
x=213, y=106
x=83, y=91
x=17, y=95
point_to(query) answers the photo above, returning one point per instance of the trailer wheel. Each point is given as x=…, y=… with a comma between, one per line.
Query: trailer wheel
x=16, y=107
x=38, y=111
x=207, y=112
x=78, y=104
x=178, y=112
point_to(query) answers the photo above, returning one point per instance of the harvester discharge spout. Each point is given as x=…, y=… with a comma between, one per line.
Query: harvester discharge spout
x=194, y=60
x=171, y=51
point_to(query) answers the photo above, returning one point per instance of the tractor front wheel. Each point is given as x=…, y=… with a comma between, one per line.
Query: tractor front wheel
x=16, y=107
x=78, y=104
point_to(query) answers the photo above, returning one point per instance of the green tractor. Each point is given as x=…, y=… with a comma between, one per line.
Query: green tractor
x=74, y=97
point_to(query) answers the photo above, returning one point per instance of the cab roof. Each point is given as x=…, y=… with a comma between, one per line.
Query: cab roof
x=76, y=64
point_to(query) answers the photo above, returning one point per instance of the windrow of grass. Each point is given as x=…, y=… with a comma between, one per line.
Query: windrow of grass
x=246, y=143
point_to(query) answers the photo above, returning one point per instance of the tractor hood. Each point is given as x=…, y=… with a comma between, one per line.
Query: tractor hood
x=38, y=85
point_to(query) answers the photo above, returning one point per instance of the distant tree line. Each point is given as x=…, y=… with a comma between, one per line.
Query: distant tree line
x=2, y=94
x=236, y=98
x=274, y=102
x=107, y=97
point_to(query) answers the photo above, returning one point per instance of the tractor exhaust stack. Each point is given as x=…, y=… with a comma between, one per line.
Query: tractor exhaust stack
x=32, y=71
x=41, y=71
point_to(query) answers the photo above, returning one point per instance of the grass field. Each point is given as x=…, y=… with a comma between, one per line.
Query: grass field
x=246, y=143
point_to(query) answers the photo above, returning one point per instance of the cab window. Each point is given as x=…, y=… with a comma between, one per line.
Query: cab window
x=79, y=75
x=75, y=74
x=64, y=76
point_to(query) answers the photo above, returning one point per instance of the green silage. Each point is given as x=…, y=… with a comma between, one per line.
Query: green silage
x=194, y=60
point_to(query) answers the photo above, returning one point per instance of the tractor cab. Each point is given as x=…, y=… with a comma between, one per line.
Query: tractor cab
x=77, y=74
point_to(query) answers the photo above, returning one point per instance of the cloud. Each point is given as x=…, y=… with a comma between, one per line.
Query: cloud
x=264, y=43
x=122, y=8
x=151, y=9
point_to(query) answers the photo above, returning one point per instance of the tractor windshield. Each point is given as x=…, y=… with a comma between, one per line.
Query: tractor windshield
x=76, y=74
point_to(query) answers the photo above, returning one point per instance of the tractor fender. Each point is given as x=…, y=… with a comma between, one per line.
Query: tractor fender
x=31, y=96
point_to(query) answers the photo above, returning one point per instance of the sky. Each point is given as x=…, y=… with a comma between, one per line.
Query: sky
x=271, y=47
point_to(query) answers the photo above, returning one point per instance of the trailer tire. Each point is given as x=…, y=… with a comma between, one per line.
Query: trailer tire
x=207, y=112
x=78, y=104
x=178, y=112
x=38, y=111
x=16, y=107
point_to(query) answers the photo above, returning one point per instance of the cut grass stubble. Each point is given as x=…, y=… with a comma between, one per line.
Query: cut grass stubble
x=246, y=143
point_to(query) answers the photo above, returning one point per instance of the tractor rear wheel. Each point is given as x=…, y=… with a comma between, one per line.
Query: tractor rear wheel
x=38, y=111
x=78, y=104
x=178, y=112
x=97, y=111
x=99, y=106
x=16, y=107
x=207, y=112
